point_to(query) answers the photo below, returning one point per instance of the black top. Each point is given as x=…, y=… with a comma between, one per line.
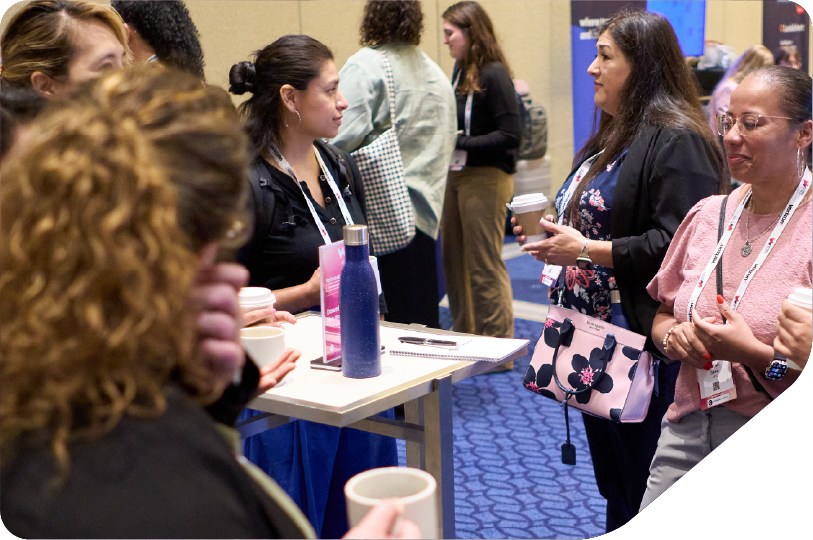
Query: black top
x=665, y=173
x=288, y=254
x=495, y=125
x=174, y=476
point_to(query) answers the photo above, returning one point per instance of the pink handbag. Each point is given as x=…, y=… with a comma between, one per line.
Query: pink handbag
x=603, y=367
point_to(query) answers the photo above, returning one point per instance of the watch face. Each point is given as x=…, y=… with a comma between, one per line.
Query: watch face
x=776, y=370
x=584, y=263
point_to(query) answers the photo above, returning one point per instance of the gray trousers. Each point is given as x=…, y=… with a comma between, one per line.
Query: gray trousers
x=683, y=444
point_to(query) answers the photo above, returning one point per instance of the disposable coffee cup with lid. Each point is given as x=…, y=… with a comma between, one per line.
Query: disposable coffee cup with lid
x=252, y=298
x=802, y=297
x=529, y=210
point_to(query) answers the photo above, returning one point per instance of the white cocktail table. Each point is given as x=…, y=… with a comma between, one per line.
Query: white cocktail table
x=423, y=385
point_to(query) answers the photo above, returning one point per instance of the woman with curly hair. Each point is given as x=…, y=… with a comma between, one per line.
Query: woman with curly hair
x=480, y=182
x=426, y=131
x=103, y=434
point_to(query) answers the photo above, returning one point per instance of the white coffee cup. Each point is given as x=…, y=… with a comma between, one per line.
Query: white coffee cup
x=251, y=298
x=264, y=343
x=414, y=488
x=529, y=210
x=802, y=297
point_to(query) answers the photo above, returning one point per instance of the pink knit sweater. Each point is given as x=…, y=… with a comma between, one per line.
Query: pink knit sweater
x=788, y=266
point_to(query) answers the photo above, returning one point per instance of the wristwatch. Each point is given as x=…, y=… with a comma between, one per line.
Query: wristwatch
x=583, y=261
x=777, y=368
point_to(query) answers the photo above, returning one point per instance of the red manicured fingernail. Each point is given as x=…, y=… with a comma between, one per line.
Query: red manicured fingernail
x=707, y=356
x=720, y=299
x=708, y=366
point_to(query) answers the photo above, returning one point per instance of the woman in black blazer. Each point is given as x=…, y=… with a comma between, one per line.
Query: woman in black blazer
x=651, y=159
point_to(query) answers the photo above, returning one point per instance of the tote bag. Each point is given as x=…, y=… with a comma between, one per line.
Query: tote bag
x=389, y=209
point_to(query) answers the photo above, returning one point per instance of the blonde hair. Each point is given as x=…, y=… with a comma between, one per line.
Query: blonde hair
x=39, y=37
x=753, y=58
x=97, y=270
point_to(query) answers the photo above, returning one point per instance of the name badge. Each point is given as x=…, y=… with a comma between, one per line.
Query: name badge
x=458, y=160
x=550, y=274
x=716, y=385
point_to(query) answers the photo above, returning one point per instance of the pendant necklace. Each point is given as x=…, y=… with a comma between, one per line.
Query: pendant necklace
x=746, y=248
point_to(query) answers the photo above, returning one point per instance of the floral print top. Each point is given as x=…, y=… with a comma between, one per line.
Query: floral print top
x=588, y=291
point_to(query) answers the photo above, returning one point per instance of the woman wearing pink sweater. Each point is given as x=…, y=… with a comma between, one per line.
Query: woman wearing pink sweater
x=729, y=370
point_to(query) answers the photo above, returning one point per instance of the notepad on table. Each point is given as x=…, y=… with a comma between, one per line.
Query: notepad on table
x=471, y=348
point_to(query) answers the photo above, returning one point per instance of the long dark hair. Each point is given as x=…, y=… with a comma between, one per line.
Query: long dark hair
x=659, y=91
x=483, y=48
x=294, y=60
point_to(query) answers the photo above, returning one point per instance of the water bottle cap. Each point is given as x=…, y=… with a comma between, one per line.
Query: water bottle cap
x=356, y=235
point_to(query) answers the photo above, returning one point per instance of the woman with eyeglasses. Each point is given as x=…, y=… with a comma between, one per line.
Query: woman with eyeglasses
x=651, y=159
x=729, y=368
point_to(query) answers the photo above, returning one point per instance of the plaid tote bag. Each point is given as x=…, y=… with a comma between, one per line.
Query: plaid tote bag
x=389, y=208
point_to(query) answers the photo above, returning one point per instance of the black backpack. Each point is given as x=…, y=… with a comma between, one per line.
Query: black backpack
x=264, y=191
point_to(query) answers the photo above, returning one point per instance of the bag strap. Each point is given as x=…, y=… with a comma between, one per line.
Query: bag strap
x=390, y=88
x=757, y=385
x=346, y=170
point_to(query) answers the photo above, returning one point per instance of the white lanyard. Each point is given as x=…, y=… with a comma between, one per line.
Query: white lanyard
x=286, y=167
x=571, y=189
x=550, y=274
x=469, y=105
x=787, y=213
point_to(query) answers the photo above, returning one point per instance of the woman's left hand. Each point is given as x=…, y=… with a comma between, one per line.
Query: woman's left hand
x=252, y=317
x=562, y=248
x=733, y=341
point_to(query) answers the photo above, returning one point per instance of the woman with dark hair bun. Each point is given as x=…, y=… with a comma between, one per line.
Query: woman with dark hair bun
x=303, y=192
x=651, y=158
x=426, y=129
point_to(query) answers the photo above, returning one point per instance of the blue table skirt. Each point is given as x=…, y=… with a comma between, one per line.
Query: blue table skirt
x=312, y=462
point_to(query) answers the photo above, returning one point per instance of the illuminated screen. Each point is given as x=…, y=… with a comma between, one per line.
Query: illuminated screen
x=688, y=18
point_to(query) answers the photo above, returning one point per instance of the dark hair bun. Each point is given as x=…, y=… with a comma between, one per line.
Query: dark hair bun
x=241, y=78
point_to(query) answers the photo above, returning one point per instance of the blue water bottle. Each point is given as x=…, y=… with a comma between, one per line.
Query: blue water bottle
x=358, y=308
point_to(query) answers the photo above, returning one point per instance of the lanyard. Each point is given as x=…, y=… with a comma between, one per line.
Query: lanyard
x=329, y=177
x=787, y=213
x=571, y=189
x=469, y=105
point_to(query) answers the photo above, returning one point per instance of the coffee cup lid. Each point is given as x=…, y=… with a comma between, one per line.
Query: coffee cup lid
x=256, y=296
x=530, y=198
x=802, y=296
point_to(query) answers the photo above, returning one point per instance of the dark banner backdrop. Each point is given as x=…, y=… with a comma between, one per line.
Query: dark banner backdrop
x=786, y=24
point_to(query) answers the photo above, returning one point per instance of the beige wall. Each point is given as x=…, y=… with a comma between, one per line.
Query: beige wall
x=534, y=34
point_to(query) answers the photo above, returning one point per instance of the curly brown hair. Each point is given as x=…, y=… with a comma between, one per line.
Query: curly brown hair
x=391, y=21
x=97, y=271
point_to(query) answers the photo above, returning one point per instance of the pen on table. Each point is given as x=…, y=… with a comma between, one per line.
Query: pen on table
x=425, y=341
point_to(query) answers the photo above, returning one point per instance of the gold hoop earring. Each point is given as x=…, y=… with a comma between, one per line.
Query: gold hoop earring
x=800, y=163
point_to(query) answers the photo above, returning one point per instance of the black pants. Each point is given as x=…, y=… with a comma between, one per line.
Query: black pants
x=622, y=453
x=410, y=282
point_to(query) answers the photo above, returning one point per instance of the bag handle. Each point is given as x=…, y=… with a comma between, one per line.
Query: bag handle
x=390, y=88
x=566, y=338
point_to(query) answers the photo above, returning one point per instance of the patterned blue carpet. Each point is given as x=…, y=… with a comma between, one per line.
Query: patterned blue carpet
x=509, y=478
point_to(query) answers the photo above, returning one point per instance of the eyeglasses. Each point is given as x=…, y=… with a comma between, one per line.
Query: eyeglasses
x=748, y=122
